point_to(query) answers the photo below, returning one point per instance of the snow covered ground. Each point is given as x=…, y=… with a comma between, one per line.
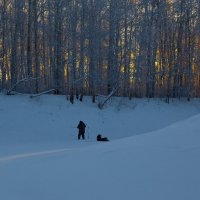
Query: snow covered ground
x=154, y=152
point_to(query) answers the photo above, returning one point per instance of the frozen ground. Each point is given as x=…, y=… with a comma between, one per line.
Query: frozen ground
x=154, y=151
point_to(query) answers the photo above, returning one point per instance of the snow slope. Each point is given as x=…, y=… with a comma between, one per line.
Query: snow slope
x=41, y=159
x=52, y=118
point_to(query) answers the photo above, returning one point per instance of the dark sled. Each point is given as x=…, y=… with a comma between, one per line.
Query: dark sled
x=102, y=139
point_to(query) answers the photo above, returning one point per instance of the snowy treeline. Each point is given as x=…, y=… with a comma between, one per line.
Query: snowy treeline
x=141, y=47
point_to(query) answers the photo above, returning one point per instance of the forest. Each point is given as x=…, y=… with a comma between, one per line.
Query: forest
x=130, y=48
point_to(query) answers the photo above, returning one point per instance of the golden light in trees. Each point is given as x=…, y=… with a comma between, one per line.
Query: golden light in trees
x=132, y=68
x=7, y=77
x=177, y=42
x=77, y=64
x=132, y=56
x=122, y=69
x=65, y=72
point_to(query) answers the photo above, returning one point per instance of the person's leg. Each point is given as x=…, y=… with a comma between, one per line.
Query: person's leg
x=83, y=136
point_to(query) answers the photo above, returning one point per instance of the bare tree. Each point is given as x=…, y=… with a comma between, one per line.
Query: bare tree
x=88, y=47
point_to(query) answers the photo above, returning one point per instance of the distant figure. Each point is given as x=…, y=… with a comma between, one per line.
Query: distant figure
x=81, y=127
x=100, y=138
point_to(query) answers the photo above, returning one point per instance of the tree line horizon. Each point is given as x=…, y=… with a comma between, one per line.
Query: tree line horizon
x=132, y=48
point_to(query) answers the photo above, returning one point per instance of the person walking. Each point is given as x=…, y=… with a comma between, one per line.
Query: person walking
x=81, y=127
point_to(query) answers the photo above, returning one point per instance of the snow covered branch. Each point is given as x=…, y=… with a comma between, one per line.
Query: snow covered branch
x=45, y=92
x=19, y=82
x=101, y=104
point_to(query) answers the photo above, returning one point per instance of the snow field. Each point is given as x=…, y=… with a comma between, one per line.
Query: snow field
x=154, y=151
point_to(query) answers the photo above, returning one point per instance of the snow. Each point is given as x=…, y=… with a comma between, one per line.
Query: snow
x=154, y=152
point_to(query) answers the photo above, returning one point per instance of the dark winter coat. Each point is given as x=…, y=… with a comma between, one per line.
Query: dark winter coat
x=81, y=126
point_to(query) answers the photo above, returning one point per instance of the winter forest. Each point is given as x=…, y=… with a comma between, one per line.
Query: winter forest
x=133, y=48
